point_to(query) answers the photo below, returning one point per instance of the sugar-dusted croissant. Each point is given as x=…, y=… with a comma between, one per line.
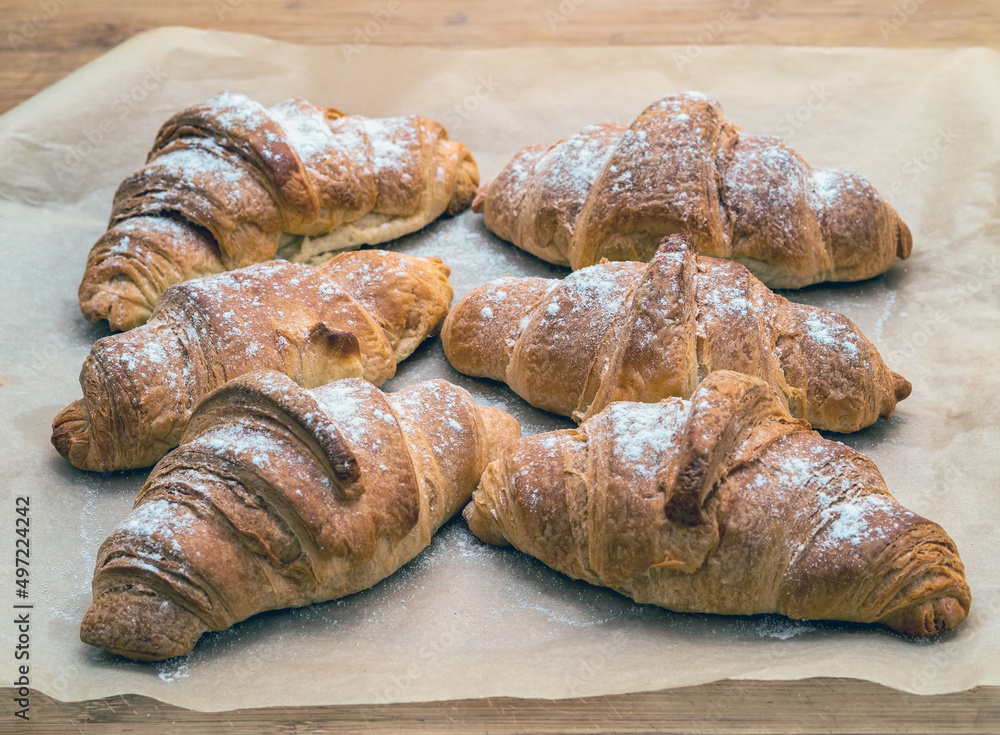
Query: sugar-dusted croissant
x=642, y=332
x=356, y=315
x=279, y=497
x=228, y=182
x=723, y=504
x=613, y=191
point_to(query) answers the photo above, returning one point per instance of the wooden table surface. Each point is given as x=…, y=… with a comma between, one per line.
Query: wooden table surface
x=47, y=39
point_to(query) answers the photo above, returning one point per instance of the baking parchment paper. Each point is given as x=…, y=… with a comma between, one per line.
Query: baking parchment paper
x=464, y=620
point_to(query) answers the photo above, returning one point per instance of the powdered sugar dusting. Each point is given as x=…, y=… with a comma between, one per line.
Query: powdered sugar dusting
x=159, y=517
x=253, y=445
x=237, y=110
x=833, y=185
x=193, y=165
x=306, y=130
x=765, y=189
x=596, y=286
x=851, y=521
x=437, y=408
x=826, y=184
x=829, y=330
x=393, y=143
x=572, y=166
x=644, y=432
x=348, y=403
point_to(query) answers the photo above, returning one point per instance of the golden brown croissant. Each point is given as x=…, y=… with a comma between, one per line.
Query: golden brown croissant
x=279, y=497
x=642, y=332
x=612, y=191
x=356, y=315
x=228, y=182
x=723, y=504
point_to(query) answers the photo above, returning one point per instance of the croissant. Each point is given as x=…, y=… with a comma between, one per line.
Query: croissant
x=280, y=497
x=723, y=504
x=642, y=332
x=229, y=182
x=613, y=191
x=355, y=316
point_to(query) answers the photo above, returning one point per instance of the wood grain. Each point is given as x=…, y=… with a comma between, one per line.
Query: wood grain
x=726, y=707
x=43, y=40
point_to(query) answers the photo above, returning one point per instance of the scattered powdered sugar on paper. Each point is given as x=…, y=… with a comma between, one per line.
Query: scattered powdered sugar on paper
x=890, y=302
x=173, y=669
x=775, y=626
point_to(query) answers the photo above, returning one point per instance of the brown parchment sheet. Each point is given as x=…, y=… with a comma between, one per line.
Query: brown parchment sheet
x=464, y=620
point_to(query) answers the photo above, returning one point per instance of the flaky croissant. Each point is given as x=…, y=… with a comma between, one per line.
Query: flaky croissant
x=279, y=497
x=614, y=191
x=228, y=182
x=723, y=504
x=642, y=332
x=356, y=315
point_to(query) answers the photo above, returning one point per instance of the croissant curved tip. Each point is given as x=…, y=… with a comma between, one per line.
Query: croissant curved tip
x=71, y=434
x=929, y=617
x=119, y=301
x=465, y=185
x=479, y=201
x=901, y=387
x=904, y=241
x=141, y=626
